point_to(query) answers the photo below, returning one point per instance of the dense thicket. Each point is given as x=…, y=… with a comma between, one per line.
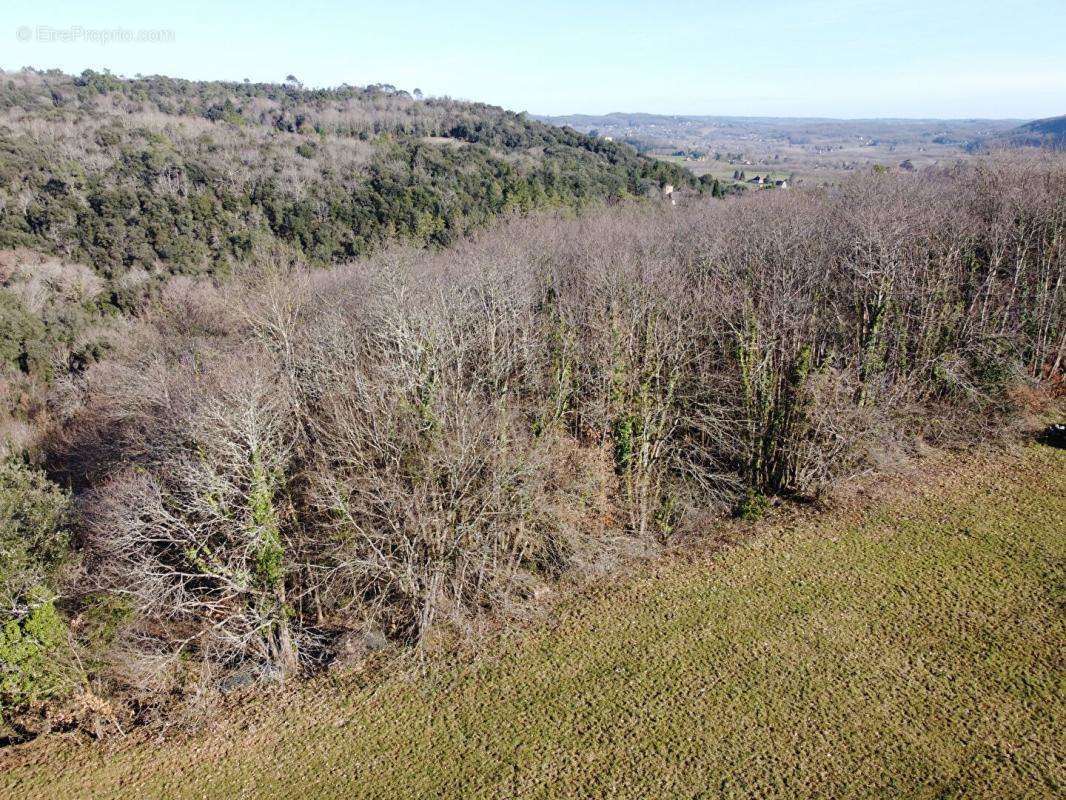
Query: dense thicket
x=410, y=441
x=153, y=176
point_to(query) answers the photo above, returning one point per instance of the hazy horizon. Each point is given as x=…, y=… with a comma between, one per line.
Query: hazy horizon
x=795, y=118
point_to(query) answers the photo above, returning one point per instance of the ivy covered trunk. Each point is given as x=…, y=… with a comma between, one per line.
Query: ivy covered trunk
x=643, y=387
x=269, y=580
x=774, y=386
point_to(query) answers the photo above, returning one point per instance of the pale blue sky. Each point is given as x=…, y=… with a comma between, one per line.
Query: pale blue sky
x=841, y=58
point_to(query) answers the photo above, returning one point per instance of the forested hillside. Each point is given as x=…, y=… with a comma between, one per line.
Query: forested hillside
x=144, y=176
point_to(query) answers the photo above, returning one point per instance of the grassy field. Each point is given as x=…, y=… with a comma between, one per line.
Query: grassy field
x=805, y=171
x=910, y=645
x=723, y=170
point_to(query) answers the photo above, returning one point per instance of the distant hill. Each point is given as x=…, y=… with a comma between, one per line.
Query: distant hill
x=1049, y=132
x=639, y=119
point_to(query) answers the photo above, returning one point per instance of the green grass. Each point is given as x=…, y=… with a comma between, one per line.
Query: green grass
x=910, y=650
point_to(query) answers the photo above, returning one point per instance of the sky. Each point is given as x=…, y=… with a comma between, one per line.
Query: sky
x=831, y=58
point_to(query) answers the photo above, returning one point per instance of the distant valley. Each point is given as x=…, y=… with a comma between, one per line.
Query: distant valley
x=805, y=150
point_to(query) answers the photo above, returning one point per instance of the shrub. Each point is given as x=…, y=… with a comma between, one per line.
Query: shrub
x=34, y=545
x=753, y=507
x=34, y=538
x=34, y=664
x=23, y=338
